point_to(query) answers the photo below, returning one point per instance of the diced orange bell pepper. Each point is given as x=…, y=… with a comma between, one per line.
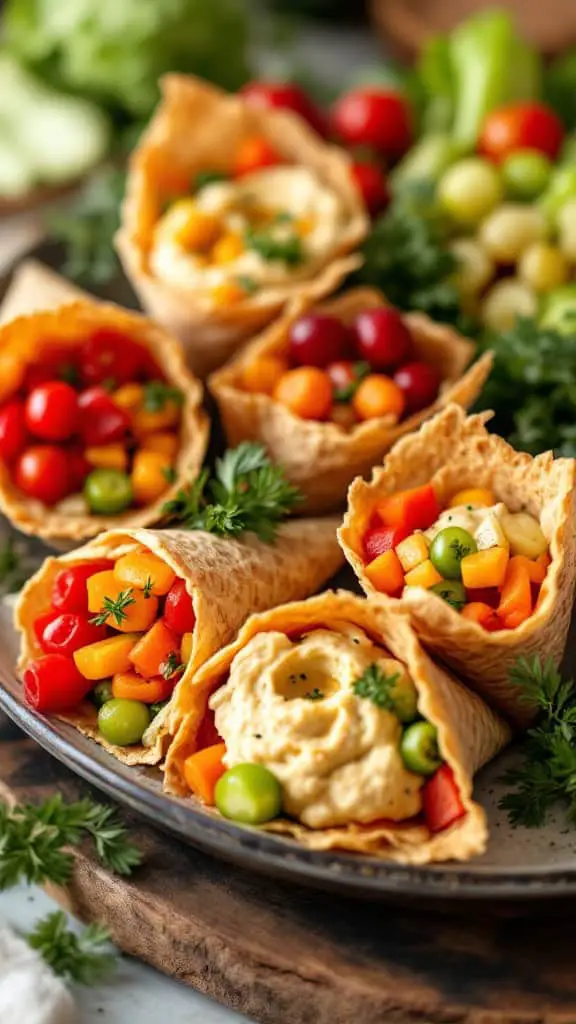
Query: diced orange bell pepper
x=229, y=293
x=483, y=614
x=145, y=571
x=202, y=771
x=544, y=559
x=386, y=573
x=514, y=620
x=106, y=657
x=12, y=372
x=145, y=422
x=186, y=648
x=149, y=476
x=415, y=509
x=135, y=614
x=412, y=551
x=164, y=442
x=153, y=650
x=485, y=568
x=129, y=396
x=131, y=686
x=516, y=596
x=536, y=569
x=479, y=497
x=107, y=456
x=424, y=575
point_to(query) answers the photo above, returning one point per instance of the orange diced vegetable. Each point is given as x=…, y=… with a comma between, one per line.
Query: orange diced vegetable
x=149, y=476
x=516, y=596
x=229, y=293
x=424, y=575
x=164, y=442
x=186, y=648
x=415, y=509
x=536, y=569
x=544, y=559
x=483, y=614
x=12, y=371
x=107, y=456
x=197, y=229
x=145, y=422
x=386, y=573
x=412, y=551
x=153, y=650
x=227, y=249
x=202, y=771
x=105, y=657
x=131, y=686
x=129, y=396
x=479, y=497
x=485, y=568
x=515, y=619
x=262, y=374
x=253, y=154
x=134, y=615
x=145, y=571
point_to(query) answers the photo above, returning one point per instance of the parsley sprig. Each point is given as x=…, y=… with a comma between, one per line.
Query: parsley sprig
x=84, y=958
x=376, y=686
x=172, y=666
x=114, y=607
x=157, y=393
x=246, y=493
x=288, y=249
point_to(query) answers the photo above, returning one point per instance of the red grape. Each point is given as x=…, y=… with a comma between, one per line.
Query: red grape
x=316, y=339
x=420, y=383
x=382, y=338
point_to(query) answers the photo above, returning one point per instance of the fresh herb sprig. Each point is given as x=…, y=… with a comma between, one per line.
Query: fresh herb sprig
x=376, y=686
x=87, y=226
x=12, y=575
x=172, y=666
x=288, y=249
x=246, y=493
x=84, y=959
x=157, y=393
x=115, y=608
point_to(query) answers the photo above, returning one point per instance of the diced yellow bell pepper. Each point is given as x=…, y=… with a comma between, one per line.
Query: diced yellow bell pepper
x=424, y=575
x=228, y=294
x=412, y=551
x=106, y=657
x=186, y=648
x=485, y=568
x=304, y=225
x=164, y=442
x=196, y=229
x=135, y=615
x=139, y=567
x=12, y=371
x=386, y=574
x=145, y=422
x=478, y=497
x=129, y=396
x=149, y=476
x=107, y=456
x=227, y=249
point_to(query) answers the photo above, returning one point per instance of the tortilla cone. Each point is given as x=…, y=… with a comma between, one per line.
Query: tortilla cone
x=323, y=458
x=198, y=126
x=228, y=580
x=469, y=733
x=34, y=287
x=454, y=451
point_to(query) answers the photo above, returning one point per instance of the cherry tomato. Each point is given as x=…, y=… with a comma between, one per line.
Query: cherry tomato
x=382, y=338
x=40, y=624
x=56, y=362
x=306, y=391
x=376, y=118
x=42, y=473
x=69, y=592
x=521, y=126
x=110, y=355
x=441, y=800
x=376, y=396
x=316, y=339
x=102, y=421
x=371, y=183
x=70, y=631
x=53, y=683
x=52, y=412
x=254, y=154
x=179, y=611
x=286, y=95
x=420, y=383
x=13, y=435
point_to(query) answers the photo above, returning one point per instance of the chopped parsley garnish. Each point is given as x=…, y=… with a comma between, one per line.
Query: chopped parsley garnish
x=346, y=394
x=169, y=473
x=114, y=607
x=203, y=178
x=147, y=588
x=314, y=694
x=171, y=666
x=287, y=250
x=247, y=283
x=374, y=685
x=157, y=393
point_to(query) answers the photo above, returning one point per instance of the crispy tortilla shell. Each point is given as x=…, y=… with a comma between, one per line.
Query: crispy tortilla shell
x=198, y=126
x=469, y=733
x=228, y=580
x=323, y=458
x=454, y=451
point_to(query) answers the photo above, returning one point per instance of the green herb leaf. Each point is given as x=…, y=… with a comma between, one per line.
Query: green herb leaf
x=147, y=589
x=171, y=666
x=374, y=685
x=11, y=573
x=84, y=958
x=204, y=178
x=249, y=285
x=114, y=607
x=169, y=474
x=157, y=393
x=87, y=227
x=346, y=394
x=314, y=694
x=288, y=250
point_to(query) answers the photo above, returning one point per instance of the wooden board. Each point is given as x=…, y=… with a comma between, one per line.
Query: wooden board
x=289, y=956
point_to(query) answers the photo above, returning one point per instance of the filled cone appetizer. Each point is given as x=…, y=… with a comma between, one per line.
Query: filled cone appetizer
x=329, y=390
x=477, y=541
x=231, y=210
x=326, y=721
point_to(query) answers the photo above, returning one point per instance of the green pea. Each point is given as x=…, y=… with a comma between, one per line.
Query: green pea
x=101, y=693
x=248, y=793
x=448, y=549
x=123, y=722
x=107, y=491
x=419, y=748
x=451, y=591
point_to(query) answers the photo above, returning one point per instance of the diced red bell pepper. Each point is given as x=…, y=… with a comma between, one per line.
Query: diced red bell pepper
x=57, y=362
x=483, y=595
x=379, y=539
x=70, y=631
x=110, y=355
x=102, y=421
x=69, y=592
x=415, y=509
x=441, y=800
x=178, y=610
x=207, y=734
x=53, y=683
x=40, y=625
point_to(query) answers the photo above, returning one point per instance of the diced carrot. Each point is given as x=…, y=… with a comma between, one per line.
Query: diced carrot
x=412, y=551
x=141, y=568
x=386, y=573
x=424, y=575
x=485, y=568
x=415, y=509
x=153, y=650
x=132, y=687
x=483, y=614
x=106, y=657
x=135, y=614
x=516, y=596
x=202, y=771
x=479, y=497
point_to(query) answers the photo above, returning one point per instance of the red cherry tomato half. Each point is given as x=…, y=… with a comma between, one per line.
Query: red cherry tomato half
x=441, y=800
x=376, y=118
x=420, y=383
x=40, y=625
x=342, y=374
x=521, y=126
x=286, y=95
x=110, y=355
x=101, y=420
x=53, y=683
x=382, y=338
x=13, y=435
x=179, y=613
x=69, y=592
x=42, y=473
x=56, y=362
x=254, y=154
x=52, y=412
x=371, y=183
x=70, y=631
x=316, y=339
x=380, y=539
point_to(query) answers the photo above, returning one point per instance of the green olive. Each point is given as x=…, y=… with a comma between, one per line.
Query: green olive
x=419, y=748
x=101, y=693
x=248, y=793
x=107, y=491
x=403, y=693
x=451, y=591
x=123, y=722
x=448, y=549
